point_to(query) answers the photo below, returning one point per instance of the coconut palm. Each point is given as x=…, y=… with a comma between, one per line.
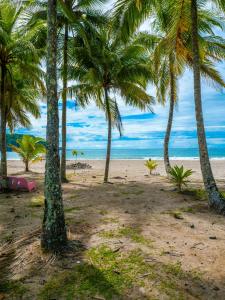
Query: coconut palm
x=171, y=61
x=17, y=56
x=29, y=149
x=106, y=69
x=70, y=14
x=21, y=96
x=130, y=14
x=75, y=12
x=54, y=236
x=216, y=201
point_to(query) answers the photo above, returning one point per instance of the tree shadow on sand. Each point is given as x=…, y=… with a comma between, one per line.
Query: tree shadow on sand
x=111, y=273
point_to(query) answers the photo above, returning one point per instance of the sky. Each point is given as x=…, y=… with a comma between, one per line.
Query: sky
x=87, y=129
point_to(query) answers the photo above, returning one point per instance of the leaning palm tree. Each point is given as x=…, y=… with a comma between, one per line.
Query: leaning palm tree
x=54, y=236
x=171, y=61
x=17, y=55
x=106, y=69
x=216, y=201
x=130, y=14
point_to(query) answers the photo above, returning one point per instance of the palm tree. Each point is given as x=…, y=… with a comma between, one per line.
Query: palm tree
x=70, y=14
x=105, y=68
x=29, y=149
x=130, y=16
x=54, y=236
x=75, y=12
x=171, y=61
x=21, y=101
x=216, y=201
x=17, y=55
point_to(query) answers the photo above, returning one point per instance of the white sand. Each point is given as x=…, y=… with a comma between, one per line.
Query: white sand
x=134, y=168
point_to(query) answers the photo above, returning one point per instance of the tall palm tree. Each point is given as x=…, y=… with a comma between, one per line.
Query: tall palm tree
x=54, y=236
x=70, y=14
x=130, y=15
x=75, y=13
x=105, y=69
x=17, y=52
x=215, y=199
x=172, y=60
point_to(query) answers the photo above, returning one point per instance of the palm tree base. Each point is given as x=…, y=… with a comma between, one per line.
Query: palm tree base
x=64, y=180
x=217, y=203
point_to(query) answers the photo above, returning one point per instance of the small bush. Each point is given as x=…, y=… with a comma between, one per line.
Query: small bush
x=37, y=201
x=151, y=165
x=179, y=176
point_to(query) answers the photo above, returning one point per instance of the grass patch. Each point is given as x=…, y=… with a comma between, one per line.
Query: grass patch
x=109, y=276
x=13, y=289
x=198, y=194
x=117, y=275
x=71, y=209
x=133, y=234
x=109, y=220
x=37, y=201
x=103, y=212
x=8, y=238
x=177, y=214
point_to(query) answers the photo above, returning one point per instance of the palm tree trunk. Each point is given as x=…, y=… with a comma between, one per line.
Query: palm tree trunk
x=54, y=230
x=109, y=141
x=26, y=166
x=215, y=199
x=64, y=100
x=170, y=119
x=3, y=130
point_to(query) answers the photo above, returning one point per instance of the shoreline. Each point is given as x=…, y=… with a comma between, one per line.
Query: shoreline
x=134, y=159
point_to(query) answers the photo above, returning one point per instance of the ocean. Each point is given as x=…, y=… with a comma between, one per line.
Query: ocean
x=157, y=153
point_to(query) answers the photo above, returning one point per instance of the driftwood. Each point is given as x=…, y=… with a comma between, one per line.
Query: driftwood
x=79, y=166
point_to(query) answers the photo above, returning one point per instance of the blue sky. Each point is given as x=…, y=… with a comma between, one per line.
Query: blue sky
x=87, y=127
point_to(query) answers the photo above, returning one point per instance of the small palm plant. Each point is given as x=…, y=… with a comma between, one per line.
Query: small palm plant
x=76, y=153
x=179, y=176
x=151, y=165
x=29, y=149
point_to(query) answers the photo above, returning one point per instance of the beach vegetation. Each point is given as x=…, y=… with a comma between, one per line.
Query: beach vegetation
x=37, y=201
x=110, y=274
x=21, y=76
x=151, y=165
x=14, y=289
x=180, y=176
x=76, y=153
x=110, y=68
x=134, y=234
x=198, y=194
x=30, y=149
x=185, y=33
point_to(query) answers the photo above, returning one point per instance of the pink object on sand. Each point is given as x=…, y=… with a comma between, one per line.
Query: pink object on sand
x=21, y=184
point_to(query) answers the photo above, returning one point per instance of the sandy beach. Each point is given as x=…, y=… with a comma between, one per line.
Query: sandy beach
x=134, y=169
x=182, y=242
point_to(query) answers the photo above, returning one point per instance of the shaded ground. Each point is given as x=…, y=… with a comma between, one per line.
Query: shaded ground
x=138, y=239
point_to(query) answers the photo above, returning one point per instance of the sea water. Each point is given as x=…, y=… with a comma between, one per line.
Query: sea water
x=156, y=153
